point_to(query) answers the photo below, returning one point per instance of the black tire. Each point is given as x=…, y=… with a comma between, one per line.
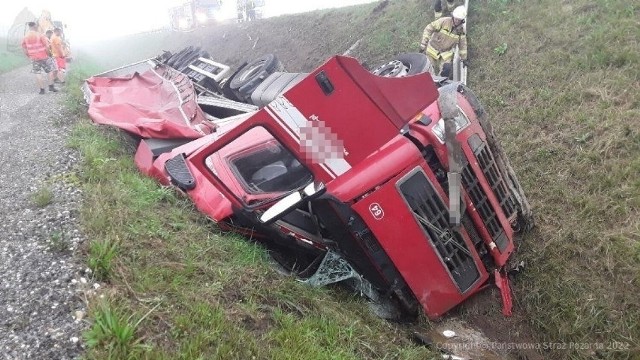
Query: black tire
x=172, y=61
x=226, y=89
x=405, y=65
x=251, y=76
x=164, y=57
x=186, y=53
x=473, y=100
x=187, y=59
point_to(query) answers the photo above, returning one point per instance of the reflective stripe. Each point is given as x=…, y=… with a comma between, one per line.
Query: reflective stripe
x=34, y=47
x=444, y=55
x=447, y=55
x=433, y=52
x=450, y=34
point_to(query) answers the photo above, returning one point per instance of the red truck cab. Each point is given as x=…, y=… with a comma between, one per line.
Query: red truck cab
x=346, y=175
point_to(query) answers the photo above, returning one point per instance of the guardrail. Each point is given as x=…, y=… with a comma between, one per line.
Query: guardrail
x=459, y=69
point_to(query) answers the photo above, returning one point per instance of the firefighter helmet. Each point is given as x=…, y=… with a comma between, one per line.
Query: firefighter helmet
x=460, y=13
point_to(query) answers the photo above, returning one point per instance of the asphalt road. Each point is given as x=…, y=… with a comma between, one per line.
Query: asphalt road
x=42, y=282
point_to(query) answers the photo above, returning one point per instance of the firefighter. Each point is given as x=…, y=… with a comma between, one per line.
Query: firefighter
x=240, y=7
x=440, y=39
x=251, y=10
x=443, y=7
x=59, y=55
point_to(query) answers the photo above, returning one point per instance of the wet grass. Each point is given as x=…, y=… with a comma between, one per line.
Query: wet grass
x=565, y=101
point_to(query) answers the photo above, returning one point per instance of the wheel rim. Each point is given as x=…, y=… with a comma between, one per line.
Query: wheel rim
x=252, y=71
x=394, y=68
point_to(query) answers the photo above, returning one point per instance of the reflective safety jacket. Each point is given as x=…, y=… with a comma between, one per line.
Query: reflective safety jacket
x=440, y=38
x=57, y=49
x=35, y=45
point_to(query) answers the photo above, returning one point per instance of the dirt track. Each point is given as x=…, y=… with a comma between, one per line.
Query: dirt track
x=40, y=280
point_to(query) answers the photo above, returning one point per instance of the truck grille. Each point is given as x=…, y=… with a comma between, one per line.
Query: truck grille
x=431, y=213
x=491, y=173
x=480, y=201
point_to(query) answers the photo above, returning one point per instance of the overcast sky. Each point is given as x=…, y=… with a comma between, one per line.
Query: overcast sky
x=89, y=20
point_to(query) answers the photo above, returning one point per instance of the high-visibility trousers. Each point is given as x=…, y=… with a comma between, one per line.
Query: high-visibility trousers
x=440, y=61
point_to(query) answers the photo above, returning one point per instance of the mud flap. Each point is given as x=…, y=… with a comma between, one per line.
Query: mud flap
x=502, y=282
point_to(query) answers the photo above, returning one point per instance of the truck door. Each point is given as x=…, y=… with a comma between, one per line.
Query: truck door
x=341, y=113
x=251, y=166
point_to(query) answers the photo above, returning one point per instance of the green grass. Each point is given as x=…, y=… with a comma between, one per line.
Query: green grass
x=57, y=242
x=570, y=95
x=396, y=29
x=177, y=288
x=9, y=60
x=81, y=69
x=115, y=332
x=42, y=197
x=101, y=257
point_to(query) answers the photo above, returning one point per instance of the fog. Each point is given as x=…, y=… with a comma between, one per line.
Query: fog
x=91, y=20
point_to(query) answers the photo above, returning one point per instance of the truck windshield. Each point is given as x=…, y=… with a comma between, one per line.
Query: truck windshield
x=260, y=164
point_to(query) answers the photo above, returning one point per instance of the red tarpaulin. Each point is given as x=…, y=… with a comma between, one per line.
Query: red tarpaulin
x=148, y=105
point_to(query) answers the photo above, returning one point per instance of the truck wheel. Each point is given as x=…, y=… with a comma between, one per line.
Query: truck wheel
x=405, y=65
x=173, y=58
x=245, y=81
x=187, y=59
x=177, y=56
x=473, y=100
x=183, y=56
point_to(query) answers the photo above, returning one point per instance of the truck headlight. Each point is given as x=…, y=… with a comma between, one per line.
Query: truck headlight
x=461, y=123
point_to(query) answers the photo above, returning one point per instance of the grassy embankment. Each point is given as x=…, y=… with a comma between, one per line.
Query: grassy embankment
x=9, y=60
x=561, y=83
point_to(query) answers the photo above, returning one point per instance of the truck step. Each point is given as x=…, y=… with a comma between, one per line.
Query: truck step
x=179, y=173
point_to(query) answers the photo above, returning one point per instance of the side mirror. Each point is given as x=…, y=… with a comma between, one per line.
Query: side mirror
x=292, y=201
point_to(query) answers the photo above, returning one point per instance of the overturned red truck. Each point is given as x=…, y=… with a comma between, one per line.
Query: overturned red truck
x=393, y=185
